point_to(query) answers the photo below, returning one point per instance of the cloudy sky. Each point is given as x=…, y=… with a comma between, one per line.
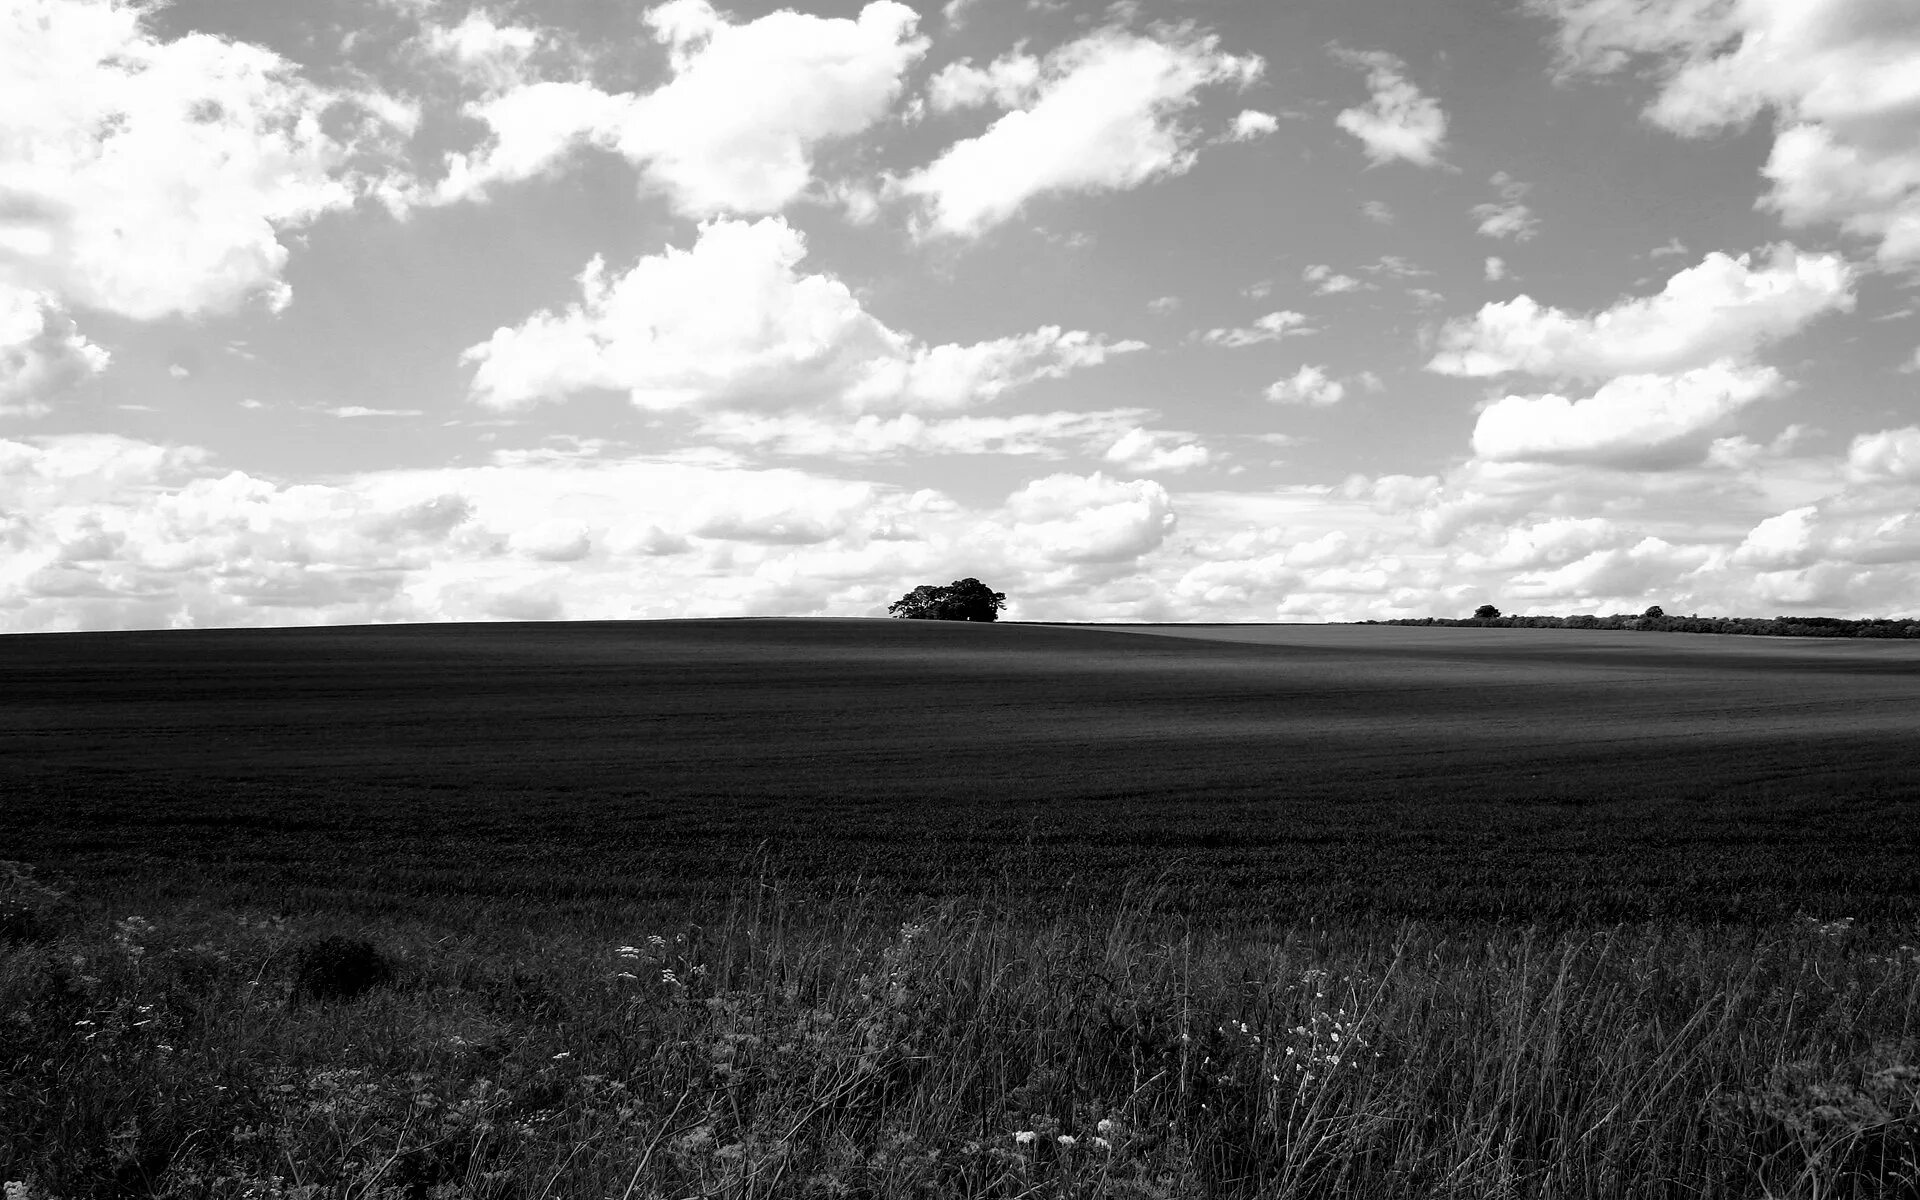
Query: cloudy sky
x=399, y=310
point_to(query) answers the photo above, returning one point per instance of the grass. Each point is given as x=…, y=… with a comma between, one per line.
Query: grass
x=759, y=909
x=774, y=1049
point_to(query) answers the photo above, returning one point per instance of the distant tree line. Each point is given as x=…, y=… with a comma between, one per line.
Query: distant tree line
x=1657, y=620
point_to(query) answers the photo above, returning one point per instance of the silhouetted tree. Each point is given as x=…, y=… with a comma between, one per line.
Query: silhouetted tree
x=1486, y=612
x=962, y=600
x=923, y=603
x=1654, y=613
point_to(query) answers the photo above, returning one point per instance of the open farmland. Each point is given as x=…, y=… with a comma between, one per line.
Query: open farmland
x=1281, y=771
x=767, y=909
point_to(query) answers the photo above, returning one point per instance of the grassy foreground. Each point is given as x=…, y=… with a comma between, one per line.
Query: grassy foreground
x=160, y=1043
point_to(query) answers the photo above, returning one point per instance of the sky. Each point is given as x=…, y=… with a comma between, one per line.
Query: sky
x=349, y=311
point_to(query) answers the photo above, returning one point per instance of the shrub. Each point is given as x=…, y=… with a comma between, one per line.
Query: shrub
x=29, y=909
x=337, y=968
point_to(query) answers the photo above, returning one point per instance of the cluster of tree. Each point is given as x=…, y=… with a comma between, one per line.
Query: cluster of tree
x=1659, y=620
x=961, y=600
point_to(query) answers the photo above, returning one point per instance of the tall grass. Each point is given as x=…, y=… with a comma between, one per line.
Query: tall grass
x=760, y=1047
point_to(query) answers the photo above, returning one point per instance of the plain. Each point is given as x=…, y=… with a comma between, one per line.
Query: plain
x=903, y=909
x=1276, y=771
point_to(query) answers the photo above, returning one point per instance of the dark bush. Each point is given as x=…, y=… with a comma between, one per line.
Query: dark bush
x=29, y=909
x=337, y=968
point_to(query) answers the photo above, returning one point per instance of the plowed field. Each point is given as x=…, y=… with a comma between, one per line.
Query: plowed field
x=1276, y=770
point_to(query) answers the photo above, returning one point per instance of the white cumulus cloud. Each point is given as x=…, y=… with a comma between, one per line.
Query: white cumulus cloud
x=1841, y=79
x=733, y=131
x=1269, y=328
x=350, y=411
x=40, y=352
x=1891, y=454
x=1724, y=307
x=1399, y=121
x=1508, y=217
x=488, y=56
x=1251, y=124
x=1044, y=435
x=733, y=322
x=107, y=532
x=1101, y=113
x=1090, y=518
x=1310, y=385
x=1010, y=81
x=152, y=178
x=1152, y=451
x=1645, y=421
x=1328, y=282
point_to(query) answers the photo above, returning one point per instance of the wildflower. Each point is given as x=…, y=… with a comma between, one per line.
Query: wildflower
x=628, y=952
x=1024, y=1137
x=1067, y=1140
x=563, y=1054
x=656, y=941
x=1105, y=1125
x=1101, y=1143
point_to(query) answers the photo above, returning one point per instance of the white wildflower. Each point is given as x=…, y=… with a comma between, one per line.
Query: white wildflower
x=1024, y=1137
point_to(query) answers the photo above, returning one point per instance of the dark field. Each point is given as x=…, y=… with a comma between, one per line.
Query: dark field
x=870, y=910
x=1278, y=771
